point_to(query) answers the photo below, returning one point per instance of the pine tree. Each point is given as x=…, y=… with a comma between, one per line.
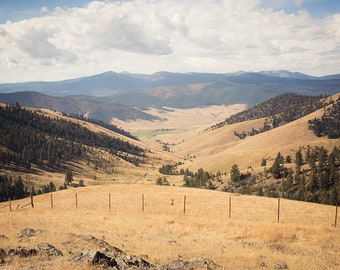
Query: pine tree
x=298, y=158
x=68, y=176
x=276, y=169
x=235, y=174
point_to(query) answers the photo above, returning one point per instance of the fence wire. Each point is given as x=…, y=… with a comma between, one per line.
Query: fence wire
x=228, y=206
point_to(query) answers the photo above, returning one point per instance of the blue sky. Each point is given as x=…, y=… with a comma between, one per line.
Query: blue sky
x=59, y=39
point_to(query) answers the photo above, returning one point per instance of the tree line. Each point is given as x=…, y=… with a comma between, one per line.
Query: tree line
x=102, y=124
x=277, y=111
x=30, y=138
x=313, y=177
x=329, y=124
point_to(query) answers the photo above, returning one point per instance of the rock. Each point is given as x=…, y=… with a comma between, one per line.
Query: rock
x=104, y=261
x=131, y=261
x=21, y=252
x=280, y=266
x=202, y=263
x=26, y=232
x=48, y=249
x=29, y=232
x=176, y=265
x=100, y=259
x=2, y=253
x=2, y=236
x=95, y=257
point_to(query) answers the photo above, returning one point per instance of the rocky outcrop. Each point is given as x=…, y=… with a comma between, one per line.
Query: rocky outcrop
x=97, y=254
x=48, y=249
x=28, y=232
x=98, y=258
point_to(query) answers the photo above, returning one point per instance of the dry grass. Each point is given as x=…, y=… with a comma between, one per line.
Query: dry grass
x=181, y=119
x=252, y=238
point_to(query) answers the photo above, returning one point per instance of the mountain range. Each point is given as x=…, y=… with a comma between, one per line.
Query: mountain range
x=125, y=95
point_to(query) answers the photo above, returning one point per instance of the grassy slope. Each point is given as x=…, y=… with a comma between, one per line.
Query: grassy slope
x=218, y=149
x=252, y=238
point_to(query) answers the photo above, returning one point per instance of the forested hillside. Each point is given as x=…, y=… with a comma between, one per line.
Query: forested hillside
x=30, y=141
x=329, y=124
x=312, y=175
x=277, y=111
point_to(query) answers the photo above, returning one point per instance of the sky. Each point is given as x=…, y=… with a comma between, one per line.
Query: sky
x=48, y=40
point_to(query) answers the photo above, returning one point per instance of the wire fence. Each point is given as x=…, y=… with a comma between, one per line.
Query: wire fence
x=229, y=206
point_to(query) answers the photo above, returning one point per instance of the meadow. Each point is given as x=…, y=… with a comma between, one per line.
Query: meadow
x=248, y=237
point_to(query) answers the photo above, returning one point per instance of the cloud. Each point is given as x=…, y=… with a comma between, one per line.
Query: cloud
x=148, y=36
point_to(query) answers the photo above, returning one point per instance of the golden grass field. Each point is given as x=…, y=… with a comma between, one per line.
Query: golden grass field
x=252, y=238
x=305, y=237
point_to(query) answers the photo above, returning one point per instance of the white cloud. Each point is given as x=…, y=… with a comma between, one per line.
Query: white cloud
x=147, y=36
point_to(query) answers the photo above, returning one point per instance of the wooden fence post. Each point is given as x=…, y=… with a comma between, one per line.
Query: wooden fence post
x=184, y=203
x=278, y=210
x=32, y=203
x=10, y=205
x=229, y=207
x=336, y=213
x=51, y=200
x=109, y=202
x=143, y=202
x=76, y=201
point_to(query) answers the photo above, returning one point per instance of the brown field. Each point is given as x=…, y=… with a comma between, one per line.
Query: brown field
x=252, y=238
x=305, y=237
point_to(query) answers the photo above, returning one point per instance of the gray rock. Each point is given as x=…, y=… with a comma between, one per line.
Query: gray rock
x=48, y=249
x=280, y=266
x=2, y=253
x=26, y=232
x=176, y=265
x=202, y=263
x=2, y=236
x=100, y=259
x=21, y=252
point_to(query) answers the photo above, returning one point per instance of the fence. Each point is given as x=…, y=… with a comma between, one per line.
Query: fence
x=211, y=204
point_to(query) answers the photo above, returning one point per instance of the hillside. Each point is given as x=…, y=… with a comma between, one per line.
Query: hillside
x=82, y=105
x=211, y=234
x=39, y=146
x=217, y=151
x=126, y=96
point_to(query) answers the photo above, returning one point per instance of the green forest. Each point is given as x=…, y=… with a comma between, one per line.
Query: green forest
x=312, y=175
x=286, y=108
x=28, y=138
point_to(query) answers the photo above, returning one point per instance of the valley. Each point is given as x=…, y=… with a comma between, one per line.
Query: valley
x=237, y=173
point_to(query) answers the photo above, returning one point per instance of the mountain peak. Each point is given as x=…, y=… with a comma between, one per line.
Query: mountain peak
x=286, y=74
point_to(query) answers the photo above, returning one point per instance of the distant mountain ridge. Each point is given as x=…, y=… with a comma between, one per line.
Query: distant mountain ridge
x=125, y=95
x=110, y=83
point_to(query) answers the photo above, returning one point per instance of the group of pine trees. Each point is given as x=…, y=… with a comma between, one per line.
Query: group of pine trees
x=29, y=138
x=329, y=124
x=314, y=177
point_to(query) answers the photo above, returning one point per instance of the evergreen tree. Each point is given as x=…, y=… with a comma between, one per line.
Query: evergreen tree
x=276, y=169
x=68, y=176
x=298, y=158
x=235, y=174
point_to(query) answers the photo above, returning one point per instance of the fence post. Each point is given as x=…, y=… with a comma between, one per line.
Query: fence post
x=76, y=201
x=143, y=202
x=32, y=203
x=229, y=207
x=109, y=202
x=184, y=203
x=278, y=210
x=51, y=200
x=10, y=205
x=336, y=213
